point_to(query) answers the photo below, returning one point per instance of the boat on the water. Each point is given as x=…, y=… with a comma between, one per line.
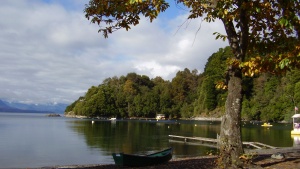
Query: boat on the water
x=267, y=125
x=123, y=159
x=296, y=124
x=160, y=117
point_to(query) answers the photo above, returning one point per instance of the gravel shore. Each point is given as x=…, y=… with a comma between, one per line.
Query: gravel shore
x=205, y=162
x=263, y=160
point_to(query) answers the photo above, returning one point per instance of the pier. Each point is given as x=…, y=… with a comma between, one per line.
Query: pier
x=212, y=142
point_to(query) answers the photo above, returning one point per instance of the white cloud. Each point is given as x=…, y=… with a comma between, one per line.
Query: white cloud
x=155, y=69
x=50, y=53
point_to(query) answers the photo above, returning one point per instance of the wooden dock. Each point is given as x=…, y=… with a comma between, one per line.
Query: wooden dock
x=212, y=142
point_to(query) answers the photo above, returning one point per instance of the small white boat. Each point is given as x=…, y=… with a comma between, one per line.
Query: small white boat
x=113, y=118
x=160, y=117
x=295, y=133
x=296, y=124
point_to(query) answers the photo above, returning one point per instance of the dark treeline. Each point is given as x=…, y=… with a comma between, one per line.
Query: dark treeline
x=189, y=94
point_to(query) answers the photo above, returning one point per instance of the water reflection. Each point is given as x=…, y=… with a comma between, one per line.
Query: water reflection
x=139, y=137
x=279, y=135
x=134, y=136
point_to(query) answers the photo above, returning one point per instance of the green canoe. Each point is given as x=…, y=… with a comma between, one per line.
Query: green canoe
x=143, y=160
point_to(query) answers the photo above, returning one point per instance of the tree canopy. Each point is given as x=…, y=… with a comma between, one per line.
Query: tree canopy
x=262, y=34
x=190, y=94
x=253, y=27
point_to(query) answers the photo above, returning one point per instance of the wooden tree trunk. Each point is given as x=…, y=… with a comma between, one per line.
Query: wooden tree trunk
x=230, y=137
x=231, y=146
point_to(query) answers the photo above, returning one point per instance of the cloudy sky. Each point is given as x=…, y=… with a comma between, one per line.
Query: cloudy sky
x=49, y=52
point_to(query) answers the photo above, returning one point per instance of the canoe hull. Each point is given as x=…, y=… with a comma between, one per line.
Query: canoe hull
x=138, y=161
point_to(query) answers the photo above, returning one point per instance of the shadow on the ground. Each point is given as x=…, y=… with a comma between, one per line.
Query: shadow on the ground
x=274, y=162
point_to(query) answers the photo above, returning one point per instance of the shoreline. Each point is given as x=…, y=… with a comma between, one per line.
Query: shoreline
x=263, y=160
x=144, y=118
x=199, y=118
x=169, y=164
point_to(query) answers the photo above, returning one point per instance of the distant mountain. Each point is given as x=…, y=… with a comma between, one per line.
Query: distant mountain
x=5, y=108
x=34, y=108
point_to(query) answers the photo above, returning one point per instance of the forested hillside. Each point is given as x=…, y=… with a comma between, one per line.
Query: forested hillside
x=190, y=94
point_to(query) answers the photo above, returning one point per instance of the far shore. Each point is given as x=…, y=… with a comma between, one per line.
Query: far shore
x=218, y=119
x=144, y=118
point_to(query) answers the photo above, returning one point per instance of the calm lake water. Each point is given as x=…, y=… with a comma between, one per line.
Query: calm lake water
x=34, y=140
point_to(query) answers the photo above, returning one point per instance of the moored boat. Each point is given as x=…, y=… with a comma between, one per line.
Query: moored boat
x=296, y=124
x=160, y=117
x=267, y=125
x=123, y=159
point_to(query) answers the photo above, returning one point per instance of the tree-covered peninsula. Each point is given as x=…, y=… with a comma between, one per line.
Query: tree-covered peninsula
x=190, y=94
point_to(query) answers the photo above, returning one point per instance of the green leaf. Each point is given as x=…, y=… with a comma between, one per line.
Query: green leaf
x=284, y=63
x=134, y=1
x=257, y=9
x=283, y=22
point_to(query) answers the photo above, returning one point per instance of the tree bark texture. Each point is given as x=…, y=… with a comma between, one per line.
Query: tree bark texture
x=230, y=137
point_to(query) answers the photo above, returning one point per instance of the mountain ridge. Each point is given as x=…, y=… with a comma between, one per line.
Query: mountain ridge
x=6, y=106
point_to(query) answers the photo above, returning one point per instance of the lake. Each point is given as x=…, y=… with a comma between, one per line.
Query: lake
x=34, y=140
